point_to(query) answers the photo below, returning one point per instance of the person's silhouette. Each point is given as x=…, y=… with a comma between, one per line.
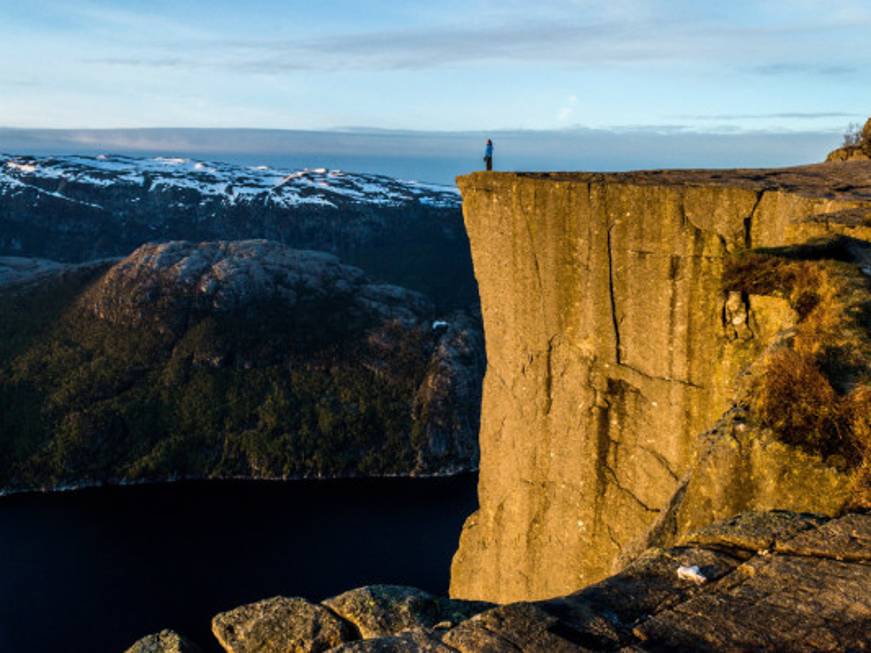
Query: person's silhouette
x=488, y=154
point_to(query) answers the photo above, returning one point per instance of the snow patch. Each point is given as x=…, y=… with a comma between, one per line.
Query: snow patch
x=221, y=182
x=26, y=168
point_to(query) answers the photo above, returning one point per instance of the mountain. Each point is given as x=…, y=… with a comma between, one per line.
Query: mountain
x=79, y=208
x=226, y=359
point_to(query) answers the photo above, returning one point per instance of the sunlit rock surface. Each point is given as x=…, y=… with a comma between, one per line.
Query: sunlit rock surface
x=382, y=610
x=279, y=625
x=612, y=347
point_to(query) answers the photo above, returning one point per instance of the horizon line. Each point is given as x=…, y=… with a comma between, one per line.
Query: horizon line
x=723, y=130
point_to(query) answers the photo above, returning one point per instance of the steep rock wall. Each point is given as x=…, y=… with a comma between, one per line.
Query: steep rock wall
x=611, y=347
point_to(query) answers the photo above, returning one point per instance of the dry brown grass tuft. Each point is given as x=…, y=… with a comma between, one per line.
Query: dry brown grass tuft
x=814, y=392
x=860, y=424
x=796, y=400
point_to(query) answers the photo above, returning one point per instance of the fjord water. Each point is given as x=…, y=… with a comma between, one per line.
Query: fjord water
x=94, y=570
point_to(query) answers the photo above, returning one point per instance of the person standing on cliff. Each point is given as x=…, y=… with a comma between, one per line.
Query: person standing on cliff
x=488, y=155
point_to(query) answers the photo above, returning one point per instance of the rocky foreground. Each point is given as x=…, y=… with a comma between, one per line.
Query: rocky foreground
x=775, y=581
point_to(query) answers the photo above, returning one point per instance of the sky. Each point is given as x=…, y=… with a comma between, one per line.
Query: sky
x=659, y=67
x=434, y=64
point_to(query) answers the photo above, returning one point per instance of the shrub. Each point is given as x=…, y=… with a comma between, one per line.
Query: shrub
x=795, y=399
x=814, y=390
x=853, y=135
x=860, y=424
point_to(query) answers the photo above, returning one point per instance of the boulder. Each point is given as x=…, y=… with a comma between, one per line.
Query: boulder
x=379, y=610
x=280, y=625
x=848, y=153
x=166, y=641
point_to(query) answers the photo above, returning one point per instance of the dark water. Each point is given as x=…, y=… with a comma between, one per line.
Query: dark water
x=94, y=570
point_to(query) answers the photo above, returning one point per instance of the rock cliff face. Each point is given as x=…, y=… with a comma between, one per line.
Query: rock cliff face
x=612, y=345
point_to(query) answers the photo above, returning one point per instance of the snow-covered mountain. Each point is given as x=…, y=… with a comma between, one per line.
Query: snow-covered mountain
x=65, y=177
x=79, y=208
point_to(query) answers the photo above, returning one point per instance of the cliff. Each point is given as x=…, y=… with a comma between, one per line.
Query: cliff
x=614, y=341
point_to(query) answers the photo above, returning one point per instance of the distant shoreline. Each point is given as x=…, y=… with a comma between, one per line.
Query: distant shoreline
x=181, y=479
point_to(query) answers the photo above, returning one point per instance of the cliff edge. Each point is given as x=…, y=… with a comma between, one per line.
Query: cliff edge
x=624, y=319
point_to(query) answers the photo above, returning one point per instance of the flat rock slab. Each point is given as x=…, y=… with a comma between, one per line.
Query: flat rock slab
x=379, y=610
x=280, y=625
x=753, y=531
x=848, y=538
x=775, y=581
x=836, y=180
x=516, y=627
x=166, y=641
x=789, y=603
x=645, y=586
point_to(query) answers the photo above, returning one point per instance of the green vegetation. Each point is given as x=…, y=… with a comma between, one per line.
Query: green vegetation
x=814, y=391
x=266, y=392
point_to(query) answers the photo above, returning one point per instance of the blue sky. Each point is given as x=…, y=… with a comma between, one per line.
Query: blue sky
x=737, y=66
